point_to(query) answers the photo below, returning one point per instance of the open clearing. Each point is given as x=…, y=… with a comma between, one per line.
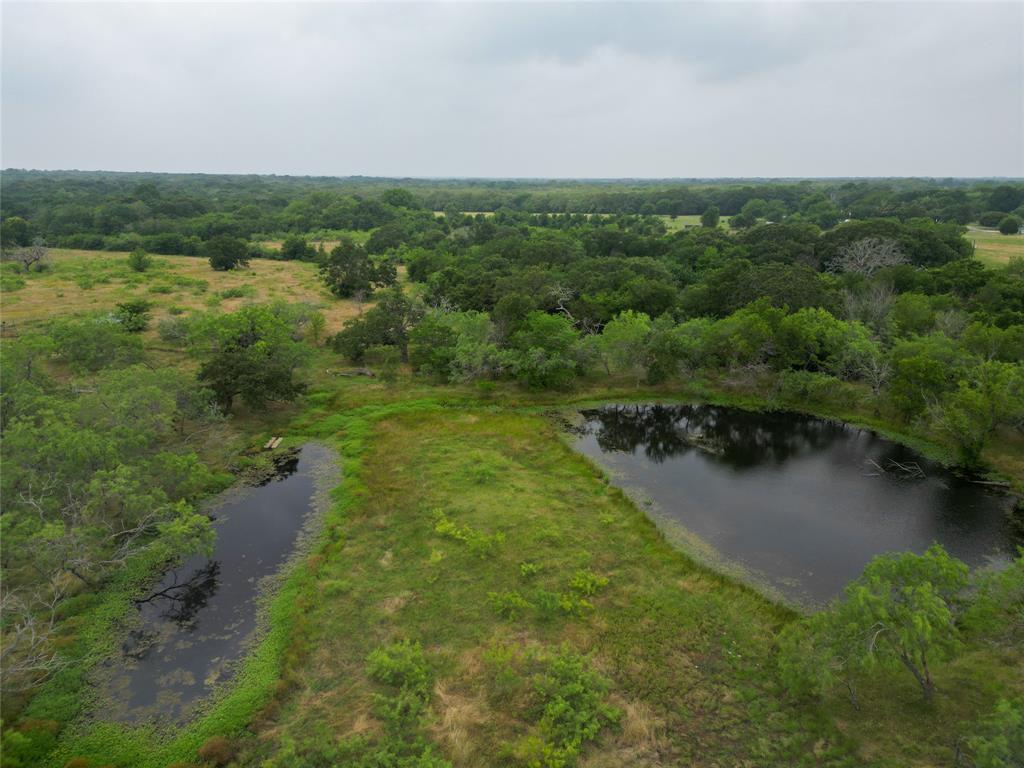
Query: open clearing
x=993, y=248
x=93, y=281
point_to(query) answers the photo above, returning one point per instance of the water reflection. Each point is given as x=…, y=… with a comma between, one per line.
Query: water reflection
x=800, y=502
x=195, y=624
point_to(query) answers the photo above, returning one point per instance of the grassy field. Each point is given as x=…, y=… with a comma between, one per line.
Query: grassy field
x=683, y=650
x=79, y=282
x=993, y=248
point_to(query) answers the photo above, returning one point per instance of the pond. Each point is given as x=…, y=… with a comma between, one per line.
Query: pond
x=797, y=503
x=196, y=624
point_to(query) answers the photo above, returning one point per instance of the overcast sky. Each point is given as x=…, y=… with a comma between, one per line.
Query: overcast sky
x=517, y=90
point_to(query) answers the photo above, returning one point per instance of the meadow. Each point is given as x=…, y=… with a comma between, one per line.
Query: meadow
x=993, y=248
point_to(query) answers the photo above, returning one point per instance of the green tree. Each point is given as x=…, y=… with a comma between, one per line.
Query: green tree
x=1009, y=225
x=710, y=217
x=623, y=343
x=903, y=607
x=349, y=270
x=227, y=253
x=389, y=322
x=15, y=232
x=545, y=351
x=133, y=315
x=991, y=397
x=94, y=343
x=251, y=353
x=296, y=248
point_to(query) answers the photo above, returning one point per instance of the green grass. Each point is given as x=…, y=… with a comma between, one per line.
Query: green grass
x=993, y=248
x=685, y=650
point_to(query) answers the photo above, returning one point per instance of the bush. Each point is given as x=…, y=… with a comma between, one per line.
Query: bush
x=238, y=292
x=572, y=708
x=133, y=315
x=587, y=583
x=401, y=665
x=218, y=750
x=508, y=605
x=173, y=330
x=139, y=260
x=94, y=343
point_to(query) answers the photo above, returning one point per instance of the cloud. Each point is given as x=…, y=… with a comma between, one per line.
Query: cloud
x=457, y=89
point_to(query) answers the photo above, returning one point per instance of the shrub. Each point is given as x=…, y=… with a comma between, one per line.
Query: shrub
x=401, y=665
x=508, y=605
x=173, y=330
x=528, y=570
x=238, y=292
x=133, y=315
x=94, y=343
x=139, y=260
x=587, y=583
x=572, y=708
x=218, y=750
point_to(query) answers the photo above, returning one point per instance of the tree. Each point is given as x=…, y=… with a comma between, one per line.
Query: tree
x=15, y=232
x=867, y=255
x=389, y=322
x=226, y=253
x=903, y=606
x=1009, y=225
x=622, y=343
x=544, y=351
x=994, y=395
x=94, y=343
x=348, y=269
x=296, y=248
x=317, y=324
x=31, y=255
x=900, y=613
x=251, y=353
x=710, y=217
x=742, y=220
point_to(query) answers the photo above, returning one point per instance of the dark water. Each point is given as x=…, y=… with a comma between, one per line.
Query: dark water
x=197, y=622
x=792, y=499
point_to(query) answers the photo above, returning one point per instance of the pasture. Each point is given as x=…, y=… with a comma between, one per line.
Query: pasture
x=993, y=248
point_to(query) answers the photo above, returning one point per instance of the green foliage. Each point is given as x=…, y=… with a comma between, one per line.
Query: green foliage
x=571, y=711
x=1009, y=225
x=250, y=354
x=348, y=271
x=94, y=343
x=997, y=740
x=133, y=315
x=545, y=348
x=900, y=613
x=508, y=605
x=226, y=253
x=139, y=260
x=587, y=583
x=388, y=323
x=400, y=665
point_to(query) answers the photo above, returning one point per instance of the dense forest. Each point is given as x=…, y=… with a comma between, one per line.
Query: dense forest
x=855, y=299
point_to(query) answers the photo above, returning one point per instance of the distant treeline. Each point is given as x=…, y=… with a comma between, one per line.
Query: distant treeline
x=176, y=213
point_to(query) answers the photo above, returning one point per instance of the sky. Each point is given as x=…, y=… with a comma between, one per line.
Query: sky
x=567, y=90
